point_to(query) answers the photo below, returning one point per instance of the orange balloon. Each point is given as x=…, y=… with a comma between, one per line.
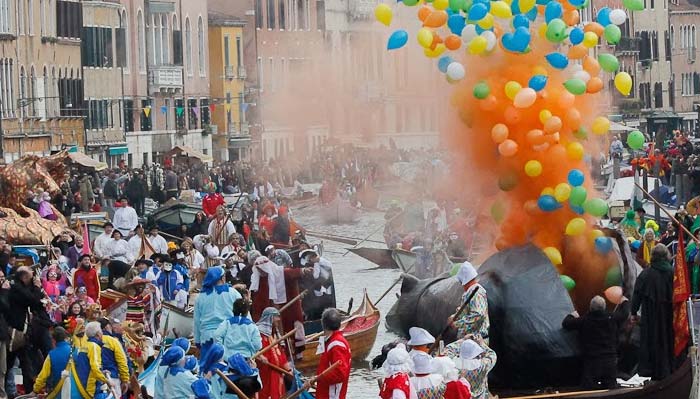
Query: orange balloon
x=501, y=243
x=594, y=85
x=591, y=65
x=512, y=115
x=531, y=207
x=573, y=118
x=453, y=42
x=577, y=52
x=499, y=133
x=423, y=13
x=436, y=40
x=594, y=27
x=565, y=99
x=489, y=103
x=436, y=19
x=552, y=125
x=556, y=156
x=536, y=137
x=571, y=17
x=508, y=148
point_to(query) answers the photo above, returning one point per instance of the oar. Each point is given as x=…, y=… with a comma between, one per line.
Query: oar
x=311, y=381
x=332, y=238
x=231, y=385
x=375, y=231
x=408, y=270
x=277, y=368
x=447, y=327
x=273, y=344
x=681, y=225
x=293, y=301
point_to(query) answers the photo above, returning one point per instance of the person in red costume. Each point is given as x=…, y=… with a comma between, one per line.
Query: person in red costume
x=267, y=222
x=212, y=200
x=86, y=276
x=334, y=384
x=272, y=381
x=397, y=384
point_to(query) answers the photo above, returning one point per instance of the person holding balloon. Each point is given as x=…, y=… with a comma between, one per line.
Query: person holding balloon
x=598, y=333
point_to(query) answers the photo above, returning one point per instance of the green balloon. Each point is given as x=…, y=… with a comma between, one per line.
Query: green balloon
x=556, y=31
x=410, y=3
x=596, y=207
x=498, y=211
x=482, y=90
x=578, y=196
x=613, y=277
x=612, y=34
x=467, y=5
x=575, y=86
x=584, y=5
x=568, y=282
x=634, y=5
x=456, y=5
x=635, y=140
x=581, y=134
x=608, y=62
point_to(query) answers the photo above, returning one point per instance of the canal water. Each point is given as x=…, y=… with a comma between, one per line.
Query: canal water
x=352, y=275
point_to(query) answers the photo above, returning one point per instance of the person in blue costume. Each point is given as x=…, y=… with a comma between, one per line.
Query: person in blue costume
x=171, y=285
x=162, y=369
x=208, y=364
x=240, y=373
x=50, y=379
x=178, y=382
x=239, y=334
x=214, y=305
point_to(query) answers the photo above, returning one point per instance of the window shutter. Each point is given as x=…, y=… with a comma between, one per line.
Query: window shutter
x=121, y=47
x=177, y=47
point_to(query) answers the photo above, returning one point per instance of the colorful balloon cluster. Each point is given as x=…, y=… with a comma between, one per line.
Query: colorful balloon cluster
x=526, y=82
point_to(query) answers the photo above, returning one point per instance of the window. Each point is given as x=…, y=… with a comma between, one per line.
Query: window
x=696, y=83
x=655, y=46
x=42, y=17
x=166, y=104
x=320, y=14
x=270, y=14
x=157, y=40
x=692, y=38
x=300, y=15
x=6, y=82
x=20, y=17
x=204, y=111
x=671, y=94
x=99, y=114
x=667, y=45
x=658, y=95
x=165, y=35
x=307, y=17
x=228, y=111
x=142, y=41
x=258, y=14
x=272, y=73
x=177, y=43
x=282, y=15
x=188, y=47
x=227, y=51
x=22, y=89
x=201, y=49
x=146, y=121
x=179, y=114
x=5, y=17
x=673, y=38
x=30, y=17
x=260, y=74
x=122, y=47
x=96, y=47
x=69, y=19
x=239, y=52
x=192, y=112
x=145, y=158
x=129, y=115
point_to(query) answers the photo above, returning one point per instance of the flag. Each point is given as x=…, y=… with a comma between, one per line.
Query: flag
x=163, y=109
x=228, y=107
x=147, y=111
x=86, y=240
x=250, y=245
x=212, y=107
x=195, y=111
x=681, y=293
x=179, y=111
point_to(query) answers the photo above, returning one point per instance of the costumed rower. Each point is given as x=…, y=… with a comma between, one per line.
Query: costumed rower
x=221, y=228
x=420, y=342
x=322, y=284
x=213, y=306
x=474, y=319
x=267, y=285
x=178, y=382
x=162, y=369
x=474, y=359
x=240, y=373
x=113, y=358
x=272, y=381
x=455, y=386
x=239, y=334
x=51, y=376
x=86, y=368
x=333, y=347
x=396, y=367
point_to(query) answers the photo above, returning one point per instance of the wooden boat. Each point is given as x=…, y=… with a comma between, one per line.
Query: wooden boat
x=677, y=385
x=338, y=212
x=379, y=256
x=175, y=322
x=360, y=330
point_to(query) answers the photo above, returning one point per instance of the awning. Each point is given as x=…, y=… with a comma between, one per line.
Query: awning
x=85, y=161
x=185, y=151
x=619, y=127
x=118, y=150
x=73, y=149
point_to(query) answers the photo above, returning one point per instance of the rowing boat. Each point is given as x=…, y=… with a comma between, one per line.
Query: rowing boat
x=379, y=256
x=359, y=329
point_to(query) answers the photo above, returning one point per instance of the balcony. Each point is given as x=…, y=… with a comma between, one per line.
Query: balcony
x=164, y=79
x=628, y=45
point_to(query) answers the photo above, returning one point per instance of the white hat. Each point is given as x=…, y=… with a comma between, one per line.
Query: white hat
x=304, y=253
x=269, y=247
x=397, y=361
x=466, y=273
x=419, y=336
x=445, y=367
x=468, y=352
x=422, y=363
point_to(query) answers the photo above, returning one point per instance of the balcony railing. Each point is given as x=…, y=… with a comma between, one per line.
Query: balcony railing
x=628, y=44
x=165, y=79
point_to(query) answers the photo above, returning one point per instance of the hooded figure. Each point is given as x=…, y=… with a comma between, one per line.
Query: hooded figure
x=272, y=381
x=455, y=387
x=178, y=382
x=162, y=368
x=267, y=285
x=241, y=374
x=213, y=306
x=396, y=367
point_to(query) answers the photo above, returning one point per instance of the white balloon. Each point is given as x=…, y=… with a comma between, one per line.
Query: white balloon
x=490, y=39
x=583, y=75
x=618, y=16
x=576, y=67
x=468, y=33
x=455, y=71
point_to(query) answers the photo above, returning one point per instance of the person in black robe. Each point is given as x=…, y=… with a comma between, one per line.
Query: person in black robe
x=653, y=293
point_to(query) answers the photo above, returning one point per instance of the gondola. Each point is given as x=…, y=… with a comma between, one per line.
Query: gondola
x=393, y=258
x=338, y=212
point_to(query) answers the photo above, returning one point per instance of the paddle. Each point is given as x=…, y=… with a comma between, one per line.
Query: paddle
x=375, y=231
x=277, y=368
x=459, y=313
x=311, y=381
x=408, y=270
x=273, y=344
x=294, y=300
x=231, y=385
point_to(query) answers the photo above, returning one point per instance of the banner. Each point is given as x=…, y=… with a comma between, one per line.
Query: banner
x=147, y=111
x=195, y=111
x=163, y=109
x=228, y=107
x=681, y=293
x=212, y=107
x=179, y=111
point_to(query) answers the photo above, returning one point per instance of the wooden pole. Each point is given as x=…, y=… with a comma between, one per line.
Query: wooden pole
x=231, y=385
x=273, y=344
x=681, y=225
x=394, y=285
x=277, y=368
x=311, y=381
x=294, y=300
x=444, y=330
x=375, y=231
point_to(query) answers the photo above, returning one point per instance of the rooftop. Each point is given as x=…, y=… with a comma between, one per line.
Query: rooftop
x=221, y=19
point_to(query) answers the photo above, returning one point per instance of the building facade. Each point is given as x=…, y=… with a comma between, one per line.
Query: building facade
x=41, y=81
x=685, y=62
x=227, y=74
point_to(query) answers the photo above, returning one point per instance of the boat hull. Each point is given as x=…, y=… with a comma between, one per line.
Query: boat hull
x=381, y=257
x=175, y=322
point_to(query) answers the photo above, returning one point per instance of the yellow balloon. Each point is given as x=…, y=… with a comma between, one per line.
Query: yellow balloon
x=590, y=39
x=425, y=37
x=553, y=254
x=434, y=53
x=526, y=5
x=501, y=9
x=547, y=191
x=562, y=192
x=623, y=83
x=595, y=233
x=486, y=22
x=600, y=125
x=477, y=45
x=544, y=115
x=576, y=226
x=533, y=168
x=383, y=14
x=512, y=88
x=542, y=31
x=441, y=4
x=574, y=151
x=539, y=70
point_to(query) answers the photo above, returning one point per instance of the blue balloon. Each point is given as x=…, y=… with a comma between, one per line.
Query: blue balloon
x=577, y=209
x=542, y=2
x=603, y=16
x=548, y=203
x=515, y=7
x=636, y=244
x=552, y=10
x=397, y=39
x=443, y=62
x=532, y=14
x=456, y=23
x=480, y=30
x=517, y=41
x=603, y=245
x=576, y=36
x=557, y=60
x=478, y=12
x=577, y=3
x=575, y=177
x=537, y=82
x=520, y=20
